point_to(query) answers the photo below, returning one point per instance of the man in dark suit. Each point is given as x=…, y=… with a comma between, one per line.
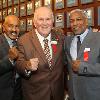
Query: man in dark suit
x=83, y=55
x=8, y=55
x=44, y=74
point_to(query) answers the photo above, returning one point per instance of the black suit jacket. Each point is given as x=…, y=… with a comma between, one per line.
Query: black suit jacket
x=6, y=71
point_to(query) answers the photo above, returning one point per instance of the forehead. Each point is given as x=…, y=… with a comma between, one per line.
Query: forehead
x=76, y=15
x=12, y=20
x=44, y=13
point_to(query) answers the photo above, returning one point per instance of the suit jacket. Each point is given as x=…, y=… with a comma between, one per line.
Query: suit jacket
x=6, y=71
x=45, y=81
x=85, y=85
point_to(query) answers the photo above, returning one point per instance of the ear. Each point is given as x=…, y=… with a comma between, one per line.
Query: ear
x=86, y=20
x=3, y=27
x=34, y=23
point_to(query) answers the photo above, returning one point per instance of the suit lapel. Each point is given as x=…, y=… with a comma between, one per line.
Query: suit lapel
x=55, y=56
x=36, y=43
x=4, y=42
x=85, y=43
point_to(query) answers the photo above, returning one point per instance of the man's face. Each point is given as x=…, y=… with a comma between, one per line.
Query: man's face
x=44, y=22
x=11, y=28
x=78, y=23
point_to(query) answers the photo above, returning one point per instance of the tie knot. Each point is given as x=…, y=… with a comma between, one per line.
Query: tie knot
x=45, y=41
x=14, y=43
x=78, y=38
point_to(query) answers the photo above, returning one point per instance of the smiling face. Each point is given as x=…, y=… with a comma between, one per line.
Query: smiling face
x=43, y=21
x=78, y=22
x=11, y=27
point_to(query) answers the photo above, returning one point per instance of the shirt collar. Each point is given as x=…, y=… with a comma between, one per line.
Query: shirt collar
x=82, y=36
x=8, y=39
x=41, y=38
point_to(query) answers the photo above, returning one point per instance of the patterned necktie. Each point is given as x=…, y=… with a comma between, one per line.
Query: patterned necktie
x=78, y=43
x=47, y=52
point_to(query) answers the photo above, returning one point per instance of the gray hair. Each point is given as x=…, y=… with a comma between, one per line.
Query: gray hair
x=37, y=11
x=80, y=11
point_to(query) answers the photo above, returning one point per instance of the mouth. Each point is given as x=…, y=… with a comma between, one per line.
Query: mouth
x=14, y=33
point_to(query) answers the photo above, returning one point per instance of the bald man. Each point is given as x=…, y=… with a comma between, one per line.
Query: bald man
x=8, y=55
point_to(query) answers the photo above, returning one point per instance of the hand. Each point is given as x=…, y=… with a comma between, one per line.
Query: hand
x=32, y=64
x=96, y=30
x=75, y=65
x=13, y=53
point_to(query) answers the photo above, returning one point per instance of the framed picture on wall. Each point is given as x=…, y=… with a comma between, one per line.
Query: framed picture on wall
x=23, y=25
x=67, y=20
x=16, y=11
x=0, y=4
x=4, y=13
x=59, y=20
x=30, y=8
x=48, y=3
x=16, y=1
x=29, y=24
x=22, y=10
x=59, y=4
x=86, y=1
x=38, y=3
x=71, y=3
x=22, y=0
x=0, y=27
x=9, y=2
x=0, y=15
x=99, y=15
x=90, y=14
x=4, y=3
x=10, y=11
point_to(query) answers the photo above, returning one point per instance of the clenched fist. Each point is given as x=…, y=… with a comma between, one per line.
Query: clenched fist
x=13, y=53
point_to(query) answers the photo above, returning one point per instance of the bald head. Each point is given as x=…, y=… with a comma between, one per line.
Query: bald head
x=11, y=26
x=9, y=18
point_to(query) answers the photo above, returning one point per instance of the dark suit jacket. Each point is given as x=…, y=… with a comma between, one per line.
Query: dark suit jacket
x=6, y=71
x=44, y=82
x=85, y=85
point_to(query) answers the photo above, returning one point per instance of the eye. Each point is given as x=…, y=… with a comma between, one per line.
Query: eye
x=41, y=19
x=48, y=19
x=79, y=19
x=71, y=21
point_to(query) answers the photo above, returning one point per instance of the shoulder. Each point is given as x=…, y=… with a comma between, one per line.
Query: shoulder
x=25, y=37
x=58, y=33
x=2, y=38
x=96, y=35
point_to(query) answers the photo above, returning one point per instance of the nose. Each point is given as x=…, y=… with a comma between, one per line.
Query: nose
x=14, y=28
x=75, y=22
x=44, y=21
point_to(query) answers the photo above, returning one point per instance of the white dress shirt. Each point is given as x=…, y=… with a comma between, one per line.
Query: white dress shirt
x=41, y=40
x=73, y=48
